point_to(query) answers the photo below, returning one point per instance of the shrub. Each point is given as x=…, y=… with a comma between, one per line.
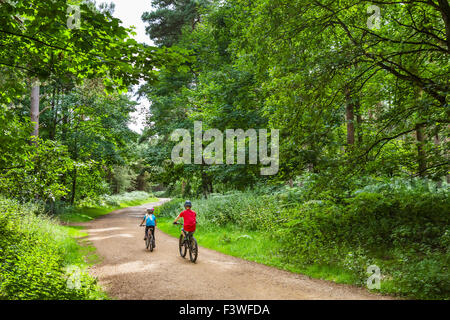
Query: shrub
x=401, y=226
x=161, y=194
x=246, y=210
x=423, y=277
x=34, y=254
x=171, y=208
x=115, y=200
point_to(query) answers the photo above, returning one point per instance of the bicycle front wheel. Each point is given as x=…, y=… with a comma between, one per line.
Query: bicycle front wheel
x=193, y=252
x=182, y=246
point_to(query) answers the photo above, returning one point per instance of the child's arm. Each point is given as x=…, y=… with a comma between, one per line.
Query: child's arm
x=177, y=218
x=142, y=221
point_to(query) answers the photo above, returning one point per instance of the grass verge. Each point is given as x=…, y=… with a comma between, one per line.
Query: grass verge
x=254, y=246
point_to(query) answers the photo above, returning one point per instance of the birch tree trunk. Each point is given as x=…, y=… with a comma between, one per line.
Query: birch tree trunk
x=34, y=110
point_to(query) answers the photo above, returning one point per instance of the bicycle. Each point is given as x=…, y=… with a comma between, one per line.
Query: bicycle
x=149, y=240
x=188, y=241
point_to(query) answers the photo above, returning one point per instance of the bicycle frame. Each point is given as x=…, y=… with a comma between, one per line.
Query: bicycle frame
x=187, y=236
x=188, y=241
x=149, y=238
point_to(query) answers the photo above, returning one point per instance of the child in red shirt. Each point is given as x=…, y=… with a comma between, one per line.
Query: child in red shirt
x=189, y=218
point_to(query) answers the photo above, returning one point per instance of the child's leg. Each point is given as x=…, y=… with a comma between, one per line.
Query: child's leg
x=191, y=235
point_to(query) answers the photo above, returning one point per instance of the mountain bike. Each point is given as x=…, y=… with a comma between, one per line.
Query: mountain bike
x=149, y=240
x=187, y=241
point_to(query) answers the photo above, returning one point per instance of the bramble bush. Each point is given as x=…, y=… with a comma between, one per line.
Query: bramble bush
x=34, y=255
x=401, y=226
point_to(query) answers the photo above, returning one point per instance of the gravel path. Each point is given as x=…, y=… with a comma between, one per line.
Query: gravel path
x=128, y=271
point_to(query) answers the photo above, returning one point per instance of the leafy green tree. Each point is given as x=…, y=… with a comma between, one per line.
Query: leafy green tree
x=166, y=23
x=38, y=176
x=326, y=73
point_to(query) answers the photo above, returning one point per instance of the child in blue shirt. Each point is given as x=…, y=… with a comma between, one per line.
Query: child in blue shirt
x=150, y=223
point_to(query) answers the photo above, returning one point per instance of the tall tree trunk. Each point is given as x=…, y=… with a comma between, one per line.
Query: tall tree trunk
x=140, y=181
x=206, y=180
x=183, y=186
x=64, y=115
x=74, y=186
x=34, y=109
x=211, y=189
x=204, y=183
x=421, y=157
x=420, y=139
x=350, y=117
x=437, y=142
x=358, y=121
x=55, y=102
x=65, y=121
x=446, y=140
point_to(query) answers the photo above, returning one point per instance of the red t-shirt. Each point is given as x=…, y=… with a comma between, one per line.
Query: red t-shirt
x=189, y=218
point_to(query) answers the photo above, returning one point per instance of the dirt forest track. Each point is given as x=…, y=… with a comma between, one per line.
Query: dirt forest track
x=128, y=271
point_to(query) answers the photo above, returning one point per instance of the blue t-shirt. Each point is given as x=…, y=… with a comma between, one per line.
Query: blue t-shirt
x=150, y=220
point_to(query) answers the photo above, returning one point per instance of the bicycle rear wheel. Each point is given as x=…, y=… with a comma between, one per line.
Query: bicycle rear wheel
x=182, y=246
x=193, y=250
x=147, y=242
x=150, y=242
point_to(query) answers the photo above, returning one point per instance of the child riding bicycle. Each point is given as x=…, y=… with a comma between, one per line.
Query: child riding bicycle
x=150, y=224
x=189, y=218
